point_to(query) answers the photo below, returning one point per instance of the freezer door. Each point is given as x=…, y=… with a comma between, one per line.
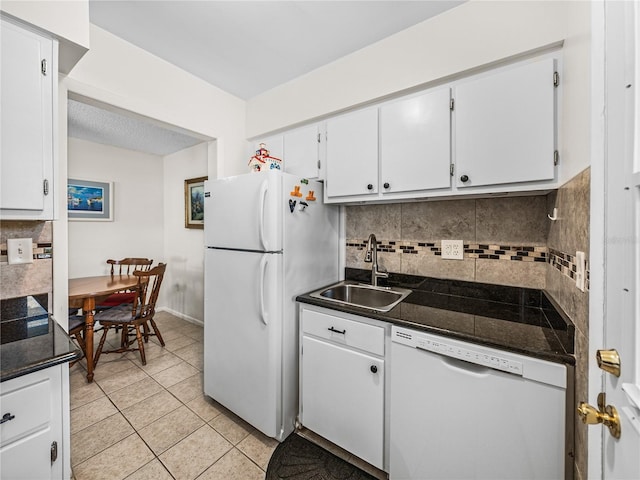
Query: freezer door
x=244, y=212
x=242, y=348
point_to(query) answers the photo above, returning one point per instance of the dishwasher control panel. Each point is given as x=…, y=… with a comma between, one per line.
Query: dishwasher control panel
x=461, y=351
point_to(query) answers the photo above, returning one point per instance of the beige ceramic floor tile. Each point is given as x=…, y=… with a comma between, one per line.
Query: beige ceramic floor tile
x=205, y=407
x=98, y=437
x=109, y=365
x=170, y=429
x=90, y=413
x=168, y=334
x=190, y=351
x=153, y=470
x=194, y=331
x=116, y=462
x=151, y=351
x=121, y=380
x=178, y=342
x=135, y=393
x=83, y=393
x=193, y=355
x=78, y=367
x=143, y=413
x=160, y=363
x=258, y=447
x=193, y=455
x=188, y=389
x=188, y=446
x=231, y=427
x=175, y=374
x=197, y=363
x=233, y=466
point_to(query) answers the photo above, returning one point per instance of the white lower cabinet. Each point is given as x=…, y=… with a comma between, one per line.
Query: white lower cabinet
x=342, y=382
x=31, y=429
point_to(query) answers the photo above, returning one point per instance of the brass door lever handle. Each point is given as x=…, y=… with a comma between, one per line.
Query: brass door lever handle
x=607, y=415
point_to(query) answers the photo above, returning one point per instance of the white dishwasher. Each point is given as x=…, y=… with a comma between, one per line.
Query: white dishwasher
x=464, y=411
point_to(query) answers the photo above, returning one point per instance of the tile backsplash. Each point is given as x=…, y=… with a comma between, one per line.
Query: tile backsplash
x=29, y=278
x=507, y=240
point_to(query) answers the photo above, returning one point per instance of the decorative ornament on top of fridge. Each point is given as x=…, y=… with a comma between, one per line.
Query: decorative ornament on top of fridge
x=262, y=160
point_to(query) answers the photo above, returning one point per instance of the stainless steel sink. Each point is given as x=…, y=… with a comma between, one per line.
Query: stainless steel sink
x=381, y=299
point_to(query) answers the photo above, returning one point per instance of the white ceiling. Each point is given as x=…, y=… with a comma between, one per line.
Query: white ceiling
x=242, y=47
x=110, y=126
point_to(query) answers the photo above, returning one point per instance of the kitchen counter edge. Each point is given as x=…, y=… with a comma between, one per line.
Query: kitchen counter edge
x=556, y=357
x=65, y=351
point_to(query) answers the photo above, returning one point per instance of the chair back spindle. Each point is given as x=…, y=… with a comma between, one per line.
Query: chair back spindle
x=127, y=265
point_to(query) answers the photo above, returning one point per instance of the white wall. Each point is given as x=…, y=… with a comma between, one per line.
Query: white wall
x=118, y=73
x=183, y=286
x=463, y=39
x=137, y=229
x=67, y=20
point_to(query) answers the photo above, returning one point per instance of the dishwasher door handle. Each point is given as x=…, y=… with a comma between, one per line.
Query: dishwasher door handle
x=463, y=366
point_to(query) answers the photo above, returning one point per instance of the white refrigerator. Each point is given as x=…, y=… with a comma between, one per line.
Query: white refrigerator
x=267, y=240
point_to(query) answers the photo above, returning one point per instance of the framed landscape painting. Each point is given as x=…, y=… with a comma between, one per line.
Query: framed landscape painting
x=89, y=200
x=194, y=202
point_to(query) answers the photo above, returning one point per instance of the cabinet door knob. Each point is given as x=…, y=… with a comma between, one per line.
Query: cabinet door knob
x=374, y=369
x=370, y=187
x=464, y=178
x=386, y=185
x=7, y=417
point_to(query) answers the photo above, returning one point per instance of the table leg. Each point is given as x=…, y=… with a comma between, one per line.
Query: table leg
x=88, y=308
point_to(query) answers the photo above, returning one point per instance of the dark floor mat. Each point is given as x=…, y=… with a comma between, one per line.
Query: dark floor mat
x=299, y=459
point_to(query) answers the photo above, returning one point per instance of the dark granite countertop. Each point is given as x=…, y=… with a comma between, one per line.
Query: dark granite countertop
x=33, y=343
x=519, y=320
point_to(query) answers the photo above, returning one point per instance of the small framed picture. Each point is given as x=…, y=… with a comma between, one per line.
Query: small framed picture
x=194, y=202
x=89, y=200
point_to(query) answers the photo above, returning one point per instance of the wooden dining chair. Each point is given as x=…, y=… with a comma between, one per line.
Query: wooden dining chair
x=136, y=319
x=77, y=328
x=126, y=266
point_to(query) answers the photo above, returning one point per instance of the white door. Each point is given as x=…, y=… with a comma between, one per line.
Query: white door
x=504, y=126
x=617, y=186
x=352, y=154
x=301, y=149
x=28, y=458
x=242, y=330
x=244, y=212
x=343, y=397
x=26, y=118
x=415, y=135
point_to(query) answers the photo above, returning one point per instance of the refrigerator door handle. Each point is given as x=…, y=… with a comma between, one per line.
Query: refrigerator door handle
x=263, y=196
x=263, y=271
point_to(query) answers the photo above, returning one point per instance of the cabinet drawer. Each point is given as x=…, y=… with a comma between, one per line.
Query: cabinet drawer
x=30, y=407
x=354, y=334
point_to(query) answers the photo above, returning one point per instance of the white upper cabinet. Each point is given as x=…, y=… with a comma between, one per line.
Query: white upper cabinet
x=493, y=132
x=302, y=152
x=504, y=126
x=29, y=89
x=352, y=154
x=415, y=143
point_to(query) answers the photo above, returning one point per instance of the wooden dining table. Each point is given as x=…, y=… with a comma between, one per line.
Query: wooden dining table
x=86, y=293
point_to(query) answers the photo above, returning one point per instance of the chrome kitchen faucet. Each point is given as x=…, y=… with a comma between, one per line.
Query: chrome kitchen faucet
x=372, y=257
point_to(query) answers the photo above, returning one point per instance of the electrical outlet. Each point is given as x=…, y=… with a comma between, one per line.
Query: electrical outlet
x=581, y=266
x=19, y=250
x=452, y=249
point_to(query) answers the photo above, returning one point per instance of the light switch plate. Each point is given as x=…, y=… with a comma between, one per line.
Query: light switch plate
x=19, y=250
x=452, y=249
